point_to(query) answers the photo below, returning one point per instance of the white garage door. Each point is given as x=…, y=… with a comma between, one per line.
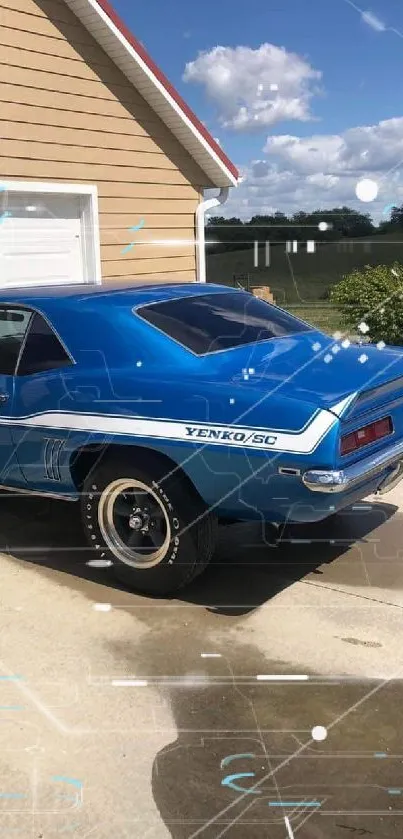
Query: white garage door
x=41, y=239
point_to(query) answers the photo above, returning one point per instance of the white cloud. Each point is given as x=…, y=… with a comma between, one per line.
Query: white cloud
x=366, y=148
x=321, y=171
x=255, y=88
x=373, y=21
x=308, y=154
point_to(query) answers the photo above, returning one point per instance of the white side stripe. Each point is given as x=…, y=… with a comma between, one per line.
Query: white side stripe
x=304, y=441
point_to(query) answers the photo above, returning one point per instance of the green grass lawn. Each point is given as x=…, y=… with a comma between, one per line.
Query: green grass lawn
x=324, y=316
x=304, y=277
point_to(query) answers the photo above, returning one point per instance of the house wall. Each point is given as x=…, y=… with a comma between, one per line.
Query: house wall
x=67, y=114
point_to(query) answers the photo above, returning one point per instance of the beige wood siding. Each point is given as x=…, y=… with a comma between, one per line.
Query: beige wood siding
x=67, y=114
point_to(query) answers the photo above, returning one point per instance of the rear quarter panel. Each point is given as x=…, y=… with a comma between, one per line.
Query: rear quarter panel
x=225, y=438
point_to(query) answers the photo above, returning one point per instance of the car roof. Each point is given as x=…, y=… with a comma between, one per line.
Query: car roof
x=47, y=297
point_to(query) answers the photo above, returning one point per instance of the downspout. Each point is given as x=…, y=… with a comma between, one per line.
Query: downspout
x=201, y=211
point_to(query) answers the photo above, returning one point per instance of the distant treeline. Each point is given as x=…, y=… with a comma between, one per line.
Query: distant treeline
x=341, y=222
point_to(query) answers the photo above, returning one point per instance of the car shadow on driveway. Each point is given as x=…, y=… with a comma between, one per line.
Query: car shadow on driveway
x=246, y=570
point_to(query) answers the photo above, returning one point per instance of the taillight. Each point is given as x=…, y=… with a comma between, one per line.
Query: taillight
x=365, y=435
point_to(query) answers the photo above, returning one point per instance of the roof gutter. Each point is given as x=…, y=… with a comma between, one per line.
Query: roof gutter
x=201, y=211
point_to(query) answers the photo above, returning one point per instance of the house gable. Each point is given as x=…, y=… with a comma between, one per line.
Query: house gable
x=69, y=115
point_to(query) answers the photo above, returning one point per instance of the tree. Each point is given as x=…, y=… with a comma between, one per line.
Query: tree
x=233, y=234
x=373, y=296
x=396, y=218
x=229, y=232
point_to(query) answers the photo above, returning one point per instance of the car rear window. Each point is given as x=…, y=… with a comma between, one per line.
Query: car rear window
x=212, y=322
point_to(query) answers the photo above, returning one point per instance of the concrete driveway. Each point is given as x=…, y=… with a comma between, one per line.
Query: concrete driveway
x=123, y=716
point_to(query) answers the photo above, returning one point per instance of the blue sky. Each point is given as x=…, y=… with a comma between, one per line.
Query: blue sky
x=336, y=116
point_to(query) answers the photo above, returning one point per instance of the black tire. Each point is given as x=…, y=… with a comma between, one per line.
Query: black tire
x=190, y=528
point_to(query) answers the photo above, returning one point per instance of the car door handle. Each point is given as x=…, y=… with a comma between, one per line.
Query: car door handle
x=4, y=397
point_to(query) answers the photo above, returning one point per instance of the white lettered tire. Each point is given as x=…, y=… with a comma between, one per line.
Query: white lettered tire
x=149, y=521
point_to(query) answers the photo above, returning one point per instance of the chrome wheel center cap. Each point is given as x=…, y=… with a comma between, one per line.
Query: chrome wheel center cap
x=135, y=522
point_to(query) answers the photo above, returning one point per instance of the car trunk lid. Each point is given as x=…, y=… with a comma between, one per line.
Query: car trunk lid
x=319, y=370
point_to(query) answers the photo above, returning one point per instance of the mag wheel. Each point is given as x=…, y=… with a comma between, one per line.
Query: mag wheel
x=154, y=529
x=134, y=523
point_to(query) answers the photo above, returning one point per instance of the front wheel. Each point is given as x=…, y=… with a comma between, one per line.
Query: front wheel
x=152, y=526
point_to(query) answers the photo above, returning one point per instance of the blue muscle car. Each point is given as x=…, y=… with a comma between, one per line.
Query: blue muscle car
x=164, y=409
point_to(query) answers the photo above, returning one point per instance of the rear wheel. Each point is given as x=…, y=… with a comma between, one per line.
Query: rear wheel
x=154, y=529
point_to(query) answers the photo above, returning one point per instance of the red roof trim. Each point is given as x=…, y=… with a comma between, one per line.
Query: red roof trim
x=114, y=17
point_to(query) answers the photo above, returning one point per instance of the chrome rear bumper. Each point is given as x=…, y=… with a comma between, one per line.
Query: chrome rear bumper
x=322, y=480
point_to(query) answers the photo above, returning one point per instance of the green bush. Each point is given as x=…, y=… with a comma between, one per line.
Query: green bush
x=372, y=295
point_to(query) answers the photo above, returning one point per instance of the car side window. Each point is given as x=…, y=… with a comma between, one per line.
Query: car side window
x=42, y=350
x=14, y=324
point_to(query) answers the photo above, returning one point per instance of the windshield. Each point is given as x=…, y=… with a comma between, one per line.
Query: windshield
x=213, y=322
